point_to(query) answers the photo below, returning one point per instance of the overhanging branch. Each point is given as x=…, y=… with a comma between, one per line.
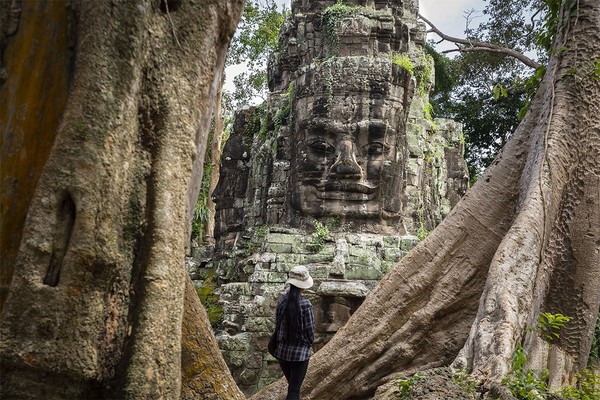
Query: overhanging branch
x=475, y=45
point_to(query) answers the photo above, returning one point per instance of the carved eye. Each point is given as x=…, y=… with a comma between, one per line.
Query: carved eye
x=376, y=149
x=321, y=146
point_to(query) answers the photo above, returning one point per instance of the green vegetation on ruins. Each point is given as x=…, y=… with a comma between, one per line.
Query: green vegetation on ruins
x=403, y=61
x=331, y=18
x=210, y=299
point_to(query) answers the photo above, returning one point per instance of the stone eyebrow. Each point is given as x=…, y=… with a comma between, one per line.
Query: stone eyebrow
x=374, y=127
x=324, y=124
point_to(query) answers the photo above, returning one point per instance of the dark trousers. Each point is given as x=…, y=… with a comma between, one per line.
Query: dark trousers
x=294, y=372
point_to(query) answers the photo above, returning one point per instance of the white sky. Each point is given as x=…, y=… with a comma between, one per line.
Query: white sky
x=447, y=15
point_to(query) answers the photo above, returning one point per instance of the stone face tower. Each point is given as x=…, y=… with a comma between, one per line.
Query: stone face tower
x=340, y=169
x=345, y=133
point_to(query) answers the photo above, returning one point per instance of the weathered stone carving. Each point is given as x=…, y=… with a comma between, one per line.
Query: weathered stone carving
x=344, y=136
x=338, y=170
x=348, y=153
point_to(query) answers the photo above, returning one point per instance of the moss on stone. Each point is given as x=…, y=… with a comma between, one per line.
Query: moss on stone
x=403, y=61
x=210, y=300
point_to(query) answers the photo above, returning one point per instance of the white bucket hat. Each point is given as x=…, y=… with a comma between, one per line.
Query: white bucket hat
x=299, y=277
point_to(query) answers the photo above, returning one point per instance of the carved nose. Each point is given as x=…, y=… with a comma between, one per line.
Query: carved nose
x=346, y=161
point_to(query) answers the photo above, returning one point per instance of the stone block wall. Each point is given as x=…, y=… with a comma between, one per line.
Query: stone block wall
x=345, y=268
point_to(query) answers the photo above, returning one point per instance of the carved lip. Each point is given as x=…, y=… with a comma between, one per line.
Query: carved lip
x=344, y=190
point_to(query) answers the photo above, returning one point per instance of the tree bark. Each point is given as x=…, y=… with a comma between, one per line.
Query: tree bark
x=205, y=374
x=96, y=304
x=550, y=261
x=30, y=115
x=217, y=140
x=522, y=241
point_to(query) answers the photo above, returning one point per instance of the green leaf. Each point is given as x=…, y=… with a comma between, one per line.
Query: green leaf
x=596, y=75
x=571, y=71
x=496, y=92
x=540, y=72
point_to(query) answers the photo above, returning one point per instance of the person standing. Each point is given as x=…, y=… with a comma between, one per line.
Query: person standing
x=295, y=326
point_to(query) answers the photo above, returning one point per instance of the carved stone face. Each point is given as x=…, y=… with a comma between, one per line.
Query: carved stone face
x=347, y=162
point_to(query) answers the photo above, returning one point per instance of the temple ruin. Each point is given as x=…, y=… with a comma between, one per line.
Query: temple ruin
x=342, y=170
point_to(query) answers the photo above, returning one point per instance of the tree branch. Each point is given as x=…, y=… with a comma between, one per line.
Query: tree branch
x=475, y=45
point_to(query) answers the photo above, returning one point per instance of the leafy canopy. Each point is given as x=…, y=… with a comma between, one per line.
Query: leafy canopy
x=489, y=92
x=256, y=37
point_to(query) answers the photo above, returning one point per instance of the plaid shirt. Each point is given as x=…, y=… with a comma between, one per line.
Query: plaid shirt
x=300, y=350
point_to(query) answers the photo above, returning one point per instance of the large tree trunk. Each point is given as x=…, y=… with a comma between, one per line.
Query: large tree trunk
x=550, y=259
x=217, y=141
x=31, y=106
x=96, y=303
x=524, y=240
x=204, y=372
